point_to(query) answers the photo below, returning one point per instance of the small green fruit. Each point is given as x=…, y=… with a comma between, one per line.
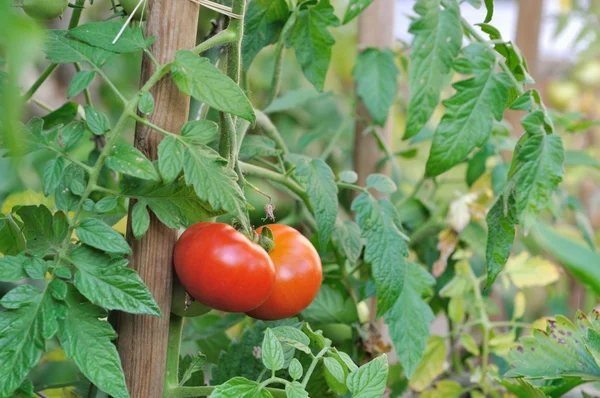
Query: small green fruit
x=44, y=10
x=129, y=6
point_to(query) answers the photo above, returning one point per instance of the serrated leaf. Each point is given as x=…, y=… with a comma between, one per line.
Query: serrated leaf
x=525, y=270
x=64, y=196
x=240, y=387
x=467, y=122
x=257, y=145
x=140, y=219
x=63, y=50
x=170, y=158
x=291, y=338
x=104, y=205
x=72, y=134
x=96, y=121
x=80, y=82
x=102, y=35
x=312, y=41
x=146, y=104
x=35, y=267
x=501, y=221
x=355, y=7
x=347, y=237
x=272, y=351
x=370, y=379
x=437, y=41
x=39, y=229
x=432, y=364
x=100, y=235
x=12, y=268
x=294, y=99
x=83, y=335
x=322, y=192
x=295, y=390
x=20, y=296
x=197, y=77
x=295, y=369
x=111, y=284
x=386, y=248
x=263, y=20
x=127, y=159
x=410, y=342
x=331, y=306
x=195, y=365
x=58, y=289
x=213, y=181
x=381, y=183
x=200, y=131
x=52, y=173
x=375, y=75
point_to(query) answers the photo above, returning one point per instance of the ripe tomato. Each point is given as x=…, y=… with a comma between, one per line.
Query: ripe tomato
x=299, y=274
x=45, y=9
x=223, y=269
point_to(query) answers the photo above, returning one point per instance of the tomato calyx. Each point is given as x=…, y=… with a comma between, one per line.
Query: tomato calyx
x=265, y=240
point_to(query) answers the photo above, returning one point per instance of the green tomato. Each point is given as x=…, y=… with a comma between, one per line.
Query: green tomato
x=337, y=332
x=45, y=9
x=562, y=94
x=129, y=6
x=178, y=305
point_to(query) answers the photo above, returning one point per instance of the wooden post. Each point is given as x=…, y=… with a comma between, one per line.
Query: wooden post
x=375, y=29
x=142, y=342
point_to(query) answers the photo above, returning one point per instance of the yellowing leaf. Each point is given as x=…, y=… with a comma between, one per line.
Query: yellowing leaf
x=526, y=271
x=468, y=341
x=456, y=309
x=502, y=343
x=24, y=199
x=443, y=389
x=55, y=355
x=432, y=364
x=519, y=308
x=540, y=324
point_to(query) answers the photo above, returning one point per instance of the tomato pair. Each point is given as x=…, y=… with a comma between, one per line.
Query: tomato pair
x=223, y=269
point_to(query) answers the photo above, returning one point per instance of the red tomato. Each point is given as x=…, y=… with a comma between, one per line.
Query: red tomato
x=299, y=275
x=223, y=269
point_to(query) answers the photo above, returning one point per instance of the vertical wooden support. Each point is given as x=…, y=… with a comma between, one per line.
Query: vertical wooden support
x=375, y=29
x=142, y=342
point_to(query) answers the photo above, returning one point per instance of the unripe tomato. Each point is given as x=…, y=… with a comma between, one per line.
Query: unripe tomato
x=45, y=9
x=223, y=269
x=299, y=274
x=129, y=6
x=179, y=305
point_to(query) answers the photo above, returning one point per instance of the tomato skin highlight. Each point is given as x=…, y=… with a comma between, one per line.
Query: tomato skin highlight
x=223, y=269
x=299, y=275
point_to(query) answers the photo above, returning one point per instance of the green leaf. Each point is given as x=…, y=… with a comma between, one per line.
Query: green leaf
x=501, y=221
x=100, y=235
x=295, y=390
x=146, y=104
x=96, y=121
x=63, y=50
x=410, y=309
x=579, y=259
x=20, y=296
x=386, y=248
x=40, y=230
x=104, y=205
x=63, y=115
x=291, y=337
x=489, y=6
x=52, y=173
x=348, y=176
x=331, y=306
x=355, y=7
x=375, y=75
x=347, y=237
x=580, y=158
x=65, y=197
x=369, y=380
x=335, y=372
x=257, y=145
x=35, y=267
x=111, y=284
x=170, y=158
x=294, y=99
x=381, y=183
x=80, y=82
x=86, y=334
x=12, y=268
x=312, y=41
x=200, y=132
x=213, y=181
x=240, y=387
x=562, y=350
x=467, y=122
x=72, y=134
x=195, y=366
x=140, y=219
x=437, y=41
x=322, y=192
x=295, y=369
x=102, y=35
x=127, y=159
x=272, y=351
x=58, y=289
x=262, y=22
x=197, y=77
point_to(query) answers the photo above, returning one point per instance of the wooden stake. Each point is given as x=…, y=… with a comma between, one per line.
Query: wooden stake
x=142, y=342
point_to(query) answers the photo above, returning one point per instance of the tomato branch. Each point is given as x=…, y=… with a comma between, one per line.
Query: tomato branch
x=271, y=131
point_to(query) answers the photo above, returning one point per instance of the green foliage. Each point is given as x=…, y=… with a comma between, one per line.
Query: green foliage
x=80, y=82
x=263, y=22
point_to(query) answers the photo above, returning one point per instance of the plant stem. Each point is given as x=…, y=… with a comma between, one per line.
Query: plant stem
x=276, y=177
x=333, y=141
x=352, y=186
x=387, y=151
x=271, y=131
x=86, y=91
x=205, y=391
x=148, y=123
x=40, y=80
x=485, y=326
x=223, y=37
x=111, y=85
x=236, y=26
x=313, y=365
x=71, y=159
x=173, y=347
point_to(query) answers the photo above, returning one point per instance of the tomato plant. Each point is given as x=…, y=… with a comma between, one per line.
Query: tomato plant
x=469, y=229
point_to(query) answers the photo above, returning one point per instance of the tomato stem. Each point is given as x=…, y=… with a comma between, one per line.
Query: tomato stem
x=173, y=349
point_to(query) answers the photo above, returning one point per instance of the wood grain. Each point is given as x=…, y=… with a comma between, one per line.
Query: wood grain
x=142, y=342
